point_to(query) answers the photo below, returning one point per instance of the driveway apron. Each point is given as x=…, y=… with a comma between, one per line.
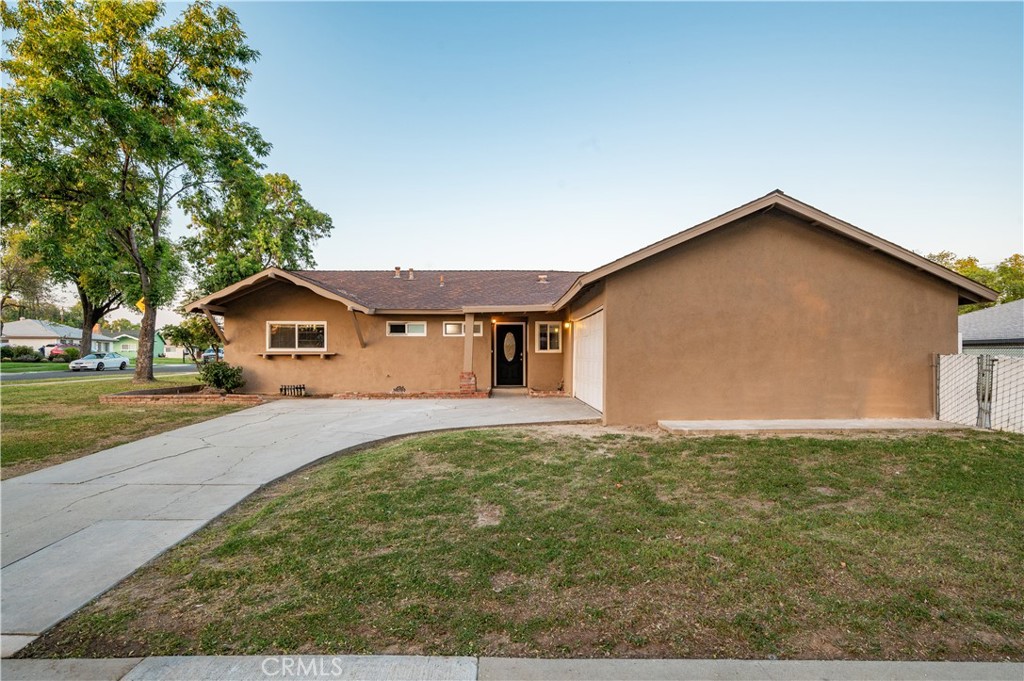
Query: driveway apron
x=72, y=531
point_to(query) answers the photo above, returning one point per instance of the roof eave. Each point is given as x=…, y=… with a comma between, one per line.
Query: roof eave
x=272, y=273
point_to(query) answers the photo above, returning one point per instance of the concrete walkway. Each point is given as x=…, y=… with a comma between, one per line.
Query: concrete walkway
x=70, y=532
x=400, y=667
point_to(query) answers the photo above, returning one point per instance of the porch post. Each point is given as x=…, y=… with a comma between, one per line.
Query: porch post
x=467, y=379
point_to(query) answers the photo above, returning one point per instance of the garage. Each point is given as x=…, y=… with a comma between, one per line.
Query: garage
x=588, y=360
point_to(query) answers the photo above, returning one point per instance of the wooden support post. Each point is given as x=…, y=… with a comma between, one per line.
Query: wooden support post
x=359, y=332
x=216, y=326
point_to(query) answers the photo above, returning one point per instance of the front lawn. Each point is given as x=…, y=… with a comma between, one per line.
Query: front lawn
x=576, y=542
x=47, y=423
x=24, y=367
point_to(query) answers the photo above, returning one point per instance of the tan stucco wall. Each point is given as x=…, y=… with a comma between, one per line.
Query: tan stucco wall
x=430, y=363
x=772, y=318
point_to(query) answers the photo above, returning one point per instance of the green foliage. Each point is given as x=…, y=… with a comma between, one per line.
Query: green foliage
x=19, y=351
x=1007, y=277
x=222, y=376
x=71, y=354
x=6, y=352
x=195, y=334
x=269, y=225
x=114, y=115
x=116, y=326
x=28, y=357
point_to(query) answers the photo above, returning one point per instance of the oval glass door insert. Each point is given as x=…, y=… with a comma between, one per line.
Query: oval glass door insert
x=509, y=346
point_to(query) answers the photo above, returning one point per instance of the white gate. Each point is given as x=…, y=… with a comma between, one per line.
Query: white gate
x=985, y=391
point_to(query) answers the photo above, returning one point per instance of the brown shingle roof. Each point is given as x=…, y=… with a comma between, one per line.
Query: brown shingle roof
x=462, y=288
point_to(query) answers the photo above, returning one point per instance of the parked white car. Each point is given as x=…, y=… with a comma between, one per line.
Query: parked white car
x=100, y=361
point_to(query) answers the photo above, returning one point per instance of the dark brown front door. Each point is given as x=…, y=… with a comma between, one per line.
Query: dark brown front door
x=509, y=355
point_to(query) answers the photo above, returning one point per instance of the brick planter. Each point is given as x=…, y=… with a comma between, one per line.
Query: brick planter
x=187, y=394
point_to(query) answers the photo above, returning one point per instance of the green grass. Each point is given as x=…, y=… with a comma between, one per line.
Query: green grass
x=50, y=422
x=548, y=543
x=24, y=367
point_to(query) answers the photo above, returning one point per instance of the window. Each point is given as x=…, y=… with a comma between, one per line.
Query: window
x=549, y=336
x=297, y=336
x=459, y=328
x=126, y=346
x=407, y=328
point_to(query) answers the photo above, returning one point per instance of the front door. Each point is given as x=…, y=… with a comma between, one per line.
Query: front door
x=509, y=355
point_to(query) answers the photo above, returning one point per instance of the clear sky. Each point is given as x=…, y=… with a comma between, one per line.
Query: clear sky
x=562, y=136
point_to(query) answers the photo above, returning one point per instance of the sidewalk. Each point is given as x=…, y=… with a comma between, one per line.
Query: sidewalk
x=401, y=667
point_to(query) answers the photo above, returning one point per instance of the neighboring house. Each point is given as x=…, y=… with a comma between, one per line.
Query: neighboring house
x=997, y=330
x=38, y=334
x=127, y=343
x=773, y=310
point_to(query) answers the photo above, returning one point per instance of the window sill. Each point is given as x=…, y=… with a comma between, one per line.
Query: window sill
x=299, y=354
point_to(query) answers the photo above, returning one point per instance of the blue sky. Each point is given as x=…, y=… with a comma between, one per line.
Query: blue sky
x=521, y=135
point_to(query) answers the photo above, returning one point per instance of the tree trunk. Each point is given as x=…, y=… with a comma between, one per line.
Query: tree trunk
x=144, y=357
x=88, y=312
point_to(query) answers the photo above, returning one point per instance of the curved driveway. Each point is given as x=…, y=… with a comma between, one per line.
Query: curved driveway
x=72, y=531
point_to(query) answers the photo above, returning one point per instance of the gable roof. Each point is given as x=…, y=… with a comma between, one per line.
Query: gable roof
x=377, y=292
x=373, y=292
x=38, y=328
x=998, y=323
x=969, y=290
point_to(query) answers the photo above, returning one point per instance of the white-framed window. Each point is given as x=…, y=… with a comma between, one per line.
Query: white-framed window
x=126, y=346
x=407, y=328
x=297, y=336
x=459, y=328
x=549, y=336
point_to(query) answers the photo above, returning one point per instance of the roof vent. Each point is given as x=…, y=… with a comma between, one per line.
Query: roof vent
x=441, y=282
x=542, y=278
x=412, y=275
x=398, y=273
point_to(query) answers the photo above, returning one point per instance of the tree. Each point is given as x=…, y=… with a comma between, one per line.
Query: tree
x=194, y=334
x=245, y=234
x=22, y=279
x=119, y=325
x=112, y=118
x=1007, y=277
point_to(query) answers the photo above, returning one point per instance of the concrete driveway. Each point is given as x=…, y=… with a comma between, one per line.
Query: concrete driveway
x=72, y=531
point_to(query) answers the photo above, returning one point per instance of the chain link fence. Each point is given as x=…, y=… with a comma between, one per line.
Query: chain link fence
x=986, y=391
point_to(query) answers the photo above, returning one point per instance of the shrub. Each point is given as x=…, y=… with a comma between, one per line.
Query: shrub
x=71, y=354
x=222, y=376
x=23, y=351
x=36, y=357
x=6, y=352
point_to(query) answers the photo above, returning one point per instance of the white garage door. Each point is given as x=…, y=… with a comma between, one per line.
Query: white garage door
x=588, y=360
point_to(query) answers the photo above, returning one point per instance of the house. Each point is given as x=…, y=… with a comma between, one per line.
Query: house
x=38, y=334
x=997, y=330
x=772, y=310
x=127, y=343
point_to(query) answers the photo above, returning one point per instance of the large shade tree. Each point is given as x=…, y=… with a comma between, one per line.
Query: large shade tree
x=112, y=117
x=241, y=235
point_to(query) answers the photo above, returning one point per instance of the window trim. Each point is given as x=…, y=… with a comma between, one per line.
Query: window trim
x=388, y=324
x=478, y=330
x=296, y=349
x=558, y=327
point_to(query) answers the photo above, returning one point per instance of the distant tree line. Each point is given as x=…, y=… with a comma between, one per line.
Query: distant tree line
x=1007, y=277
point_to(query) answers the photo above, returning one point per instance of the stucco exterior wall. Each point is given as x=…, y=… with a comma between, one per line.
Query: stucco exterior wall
x=419, y=364
x=430, y=363
x=772, y=318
